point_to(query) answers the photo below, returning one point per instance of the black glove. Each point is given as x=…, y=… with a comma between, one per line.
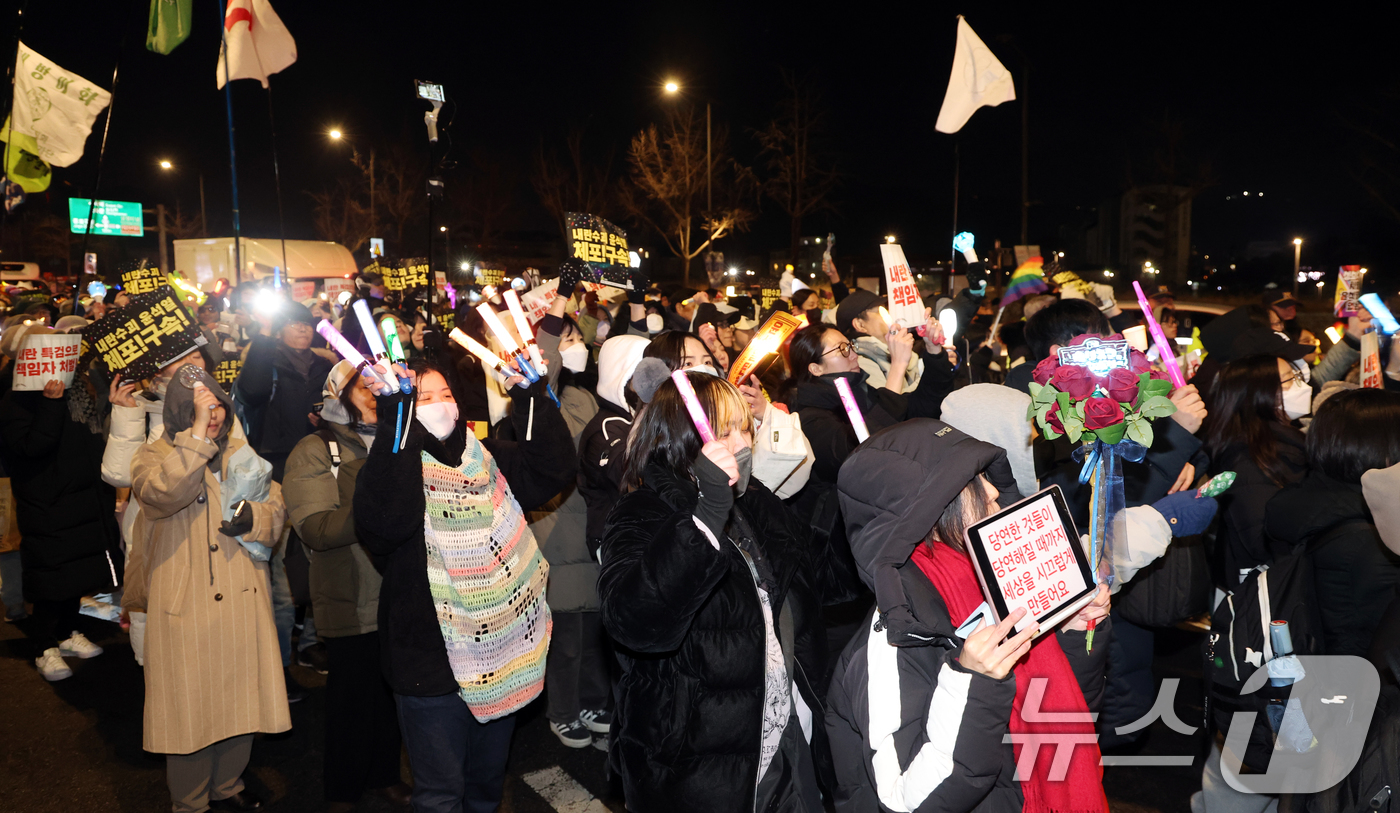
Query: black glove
x=716, y=495
x=241, y=523
x=977, y=278
x=639, y=280
x=571, y=272
x=387, y=408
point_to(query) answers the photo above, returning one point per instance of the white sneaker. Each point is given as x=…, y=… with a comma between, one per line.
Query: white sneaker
x=599, y=721
x=51, y=665
x=78, y=646
x=573, y=735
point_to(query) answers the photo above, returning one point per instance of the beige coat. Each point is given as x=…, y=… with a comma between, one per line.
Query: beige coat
x=213, y=666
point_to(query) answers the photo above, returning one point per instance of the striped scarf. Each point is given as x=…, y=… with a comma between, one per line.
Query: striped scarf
x=487, y=578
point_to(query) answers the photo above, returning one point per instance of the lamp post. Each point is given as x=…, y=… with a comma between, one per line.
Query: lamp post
x=1297, y=256
x=336, y=136
x=672, y=88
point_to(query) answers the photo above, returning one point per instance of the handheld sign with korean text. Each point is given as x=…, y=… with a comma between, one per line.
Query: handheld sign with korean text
x=44, y=358
x=770, y=336
x=906, y=306
x=1029, y=556
x=603, y=246
x=1344, y=304
x=136, y=341
x=140, y=277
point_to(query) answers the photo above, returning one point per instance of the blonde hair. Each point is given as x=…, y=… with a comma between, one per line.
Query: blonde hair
x=664, y=433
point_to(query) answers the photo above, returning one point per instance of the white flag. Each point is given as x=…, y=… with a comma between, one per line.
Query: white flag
x=258, y=43
x=54, y=106
x=978, y=80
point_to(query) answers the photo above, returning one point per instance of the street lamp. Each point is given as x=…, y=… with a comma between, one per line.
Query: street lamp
x=1297, y=255
x=673, y=88
x=889, y=238
x=166, y=165
x=335, y=134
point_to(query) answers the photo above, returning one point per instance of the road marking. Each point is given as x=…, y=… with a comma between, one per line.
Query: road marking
x=562, y=792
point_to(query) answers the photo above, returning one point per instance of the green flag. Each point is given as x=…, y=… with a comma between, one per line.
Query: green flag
x=20, y=163
x=169, y=26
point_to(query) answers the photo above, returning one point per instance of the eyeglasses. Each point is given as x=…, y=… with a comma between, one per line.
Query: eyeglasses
x=1295, y=378
x=844, y=348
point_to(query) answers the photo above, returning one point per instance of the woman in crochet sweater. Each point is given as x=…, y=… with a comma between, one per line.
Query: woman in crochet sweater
x=463, y=622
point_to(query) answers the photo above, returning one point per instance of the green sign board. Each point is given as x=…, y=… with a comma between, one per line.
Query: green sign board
x=110, y=217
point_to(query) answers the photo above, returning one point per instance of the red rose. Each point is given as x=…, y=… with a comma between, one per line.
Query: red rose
x=1046, y=368
x=1077, y=382
x=1100, y=412
x=1052, y=418
x=1138, y=363
x=1082, y=338
x=1122, y=385
x=1159, y=375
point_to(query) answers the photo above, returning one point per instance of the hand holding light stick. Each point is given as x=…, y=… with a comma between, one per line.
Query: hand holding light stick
x=484, y=353
x=375, y=341
x=522, y=326
x=848, y=400
x=692, y=403
x=348, y=352
x=488, y=314
x=391, y=339
x=1164, y=345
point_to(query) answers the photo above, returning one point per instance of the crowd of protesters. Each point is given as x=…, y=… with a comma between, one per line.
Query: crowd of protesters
x=780, y=618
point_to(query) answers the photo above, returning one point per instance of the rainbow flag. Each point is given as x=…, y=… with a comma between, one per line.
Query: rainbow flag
x=1028, y=280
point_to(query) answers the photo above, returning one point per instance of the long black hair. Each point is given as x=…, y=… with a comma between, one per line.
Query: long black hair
x=1354, y=432
x=1245, y=398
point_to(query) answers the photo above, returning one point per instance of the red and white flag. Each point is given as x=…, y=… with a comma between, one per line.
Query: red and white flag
x=258, y=43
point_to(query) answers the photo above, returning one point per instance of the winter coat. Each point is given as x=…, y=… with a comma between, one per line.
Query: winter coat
x=213, y=665
x=688, y=624
x=344, y=582
x=892, y=491
x=927, y=380
x=268, y=382
x=561, y=525
x=603, y=444
x=389, y=506
x=1242, y=507
x=1355, y=573
x=71, y=546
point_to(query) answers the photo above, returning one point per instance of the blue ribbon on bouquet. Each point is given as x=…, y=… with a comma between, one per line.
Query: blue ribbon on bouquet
x=1103, y=464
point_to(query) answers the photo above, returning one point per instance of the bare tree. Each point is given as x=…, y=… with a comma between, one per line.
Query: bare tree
x=400, y=194
x=571, y=183
x=341, y=214
x=668, y=181
x=180, y=227
x=800, y=174
x=484, y=197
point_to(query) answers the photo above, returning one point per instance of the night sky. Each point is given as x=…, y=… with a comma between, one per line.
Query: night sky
x=1261, y=96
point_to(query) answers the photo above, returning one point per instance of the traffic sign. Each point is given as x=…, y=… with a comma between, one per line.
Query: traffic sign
x=110, y=217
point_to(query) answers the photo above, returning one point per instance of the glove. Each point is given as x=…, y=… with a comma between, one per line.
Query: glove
x=571, y=272
x=1186, y=513
x=639, y=280
x=977, y=279
x=716, y=497
x=241, y=523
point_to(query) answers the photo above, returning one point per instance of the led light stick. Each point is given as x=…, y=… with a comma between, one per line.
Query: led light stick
x=1164, y=347
x=522, y=326
x=503, y=336
x=348, y=352
x=848, y=400
x=376, y=342
x=391, y=338
x=692, y=403
x=948, y=320
x=484, y=353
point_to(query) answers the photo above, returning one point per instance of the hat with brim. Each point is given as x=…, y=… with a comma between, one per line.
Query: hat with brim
x=856, y=303
x=1261, y=341
x=1283, y=300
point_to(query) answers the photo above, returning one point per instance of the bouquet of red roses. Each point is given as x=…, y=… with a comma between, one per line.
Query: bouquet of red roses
x=1097, y=389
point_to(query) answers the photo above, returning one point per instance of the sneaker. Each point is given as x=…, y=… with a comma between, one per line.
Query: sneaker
x=573, y=734
x=78, y=646
x=315, y=657
x=599, y=722
x=295, y=692
x=51, y=665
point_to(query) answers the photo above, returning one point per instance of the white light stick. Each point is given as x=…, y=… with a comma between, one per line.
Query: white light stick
x=848, y=400
x=692, y=403
x=348, y=352
x=370, y=329
x=484, y=353
x=492, y=321
x=948, y=318
x=522, y=326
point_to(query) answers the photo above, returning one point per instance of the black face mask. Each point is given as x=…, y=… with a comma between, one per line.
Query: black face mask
x=744, y=457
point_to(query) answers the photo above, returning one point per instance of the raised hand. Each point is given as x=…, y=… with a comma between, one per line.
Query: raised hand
x=985, y=652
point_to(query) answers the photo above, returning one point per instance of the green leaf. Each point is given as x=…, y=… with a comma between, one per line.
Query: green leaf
x=1050, y=434
x=1112, y=434
x=1074, y=425
x=1034, y=389
x=1140, y=430
x=1088, y=437
x=1045, y=395
x=1066, y=403
x=1157, y=406
x=1149, y=387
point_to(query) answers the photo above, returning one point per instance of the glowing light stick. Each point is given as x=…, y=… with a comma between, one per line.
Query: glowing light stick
x=1164, y=347
x=692, y=403
x=948, y=319
x=848, y=400
x=522, y=326
x=391, y=338
x=488, y=314
x=348, y=352
x=484, y=353
x=376, y=342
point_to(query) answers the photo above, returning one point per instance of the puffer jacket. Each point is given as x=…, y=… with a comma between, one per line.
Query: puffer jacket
x=1356, y=575
x=689, y=628
x=1242, y=507
x=320, y=506
x=271, y=383
x=893, y=490
x=602, y=447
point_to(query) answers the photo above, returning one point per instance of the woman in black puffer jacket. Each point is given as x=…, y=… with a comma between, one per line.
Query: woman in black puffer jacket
x=704, y=590
x=1357, y=576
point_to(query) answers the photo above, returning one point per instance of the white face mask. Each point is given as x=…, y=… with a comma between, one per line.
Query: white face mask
x=1297, y=401
x=575, y=357
x=439, y=418
x=704, y=368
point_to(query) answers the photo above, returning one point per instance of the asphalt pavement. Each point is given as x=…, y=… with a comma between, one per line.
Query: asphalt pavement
x=75, y=745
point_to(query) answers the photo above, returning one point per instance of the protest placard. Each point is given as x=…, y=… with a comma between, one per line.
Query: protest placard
x=45, y=358
x=138, y=340
x=139, y=277
x=405, y=275
x=1371, y=360
x=1345, y=303
x=490, y=275
x=303, y=290
x=603, y=246
x=1029, y=556
x=227, y=372
x=335, y=286
x=905, y=305
x=770, y=336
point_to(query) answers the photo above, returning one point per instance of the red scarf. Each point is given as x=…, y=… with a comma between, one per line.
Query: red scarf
x=1081, y=791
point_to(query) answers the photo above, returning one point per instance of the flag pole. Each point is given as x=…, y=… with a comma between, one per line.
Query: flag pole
x=277, y=180
x=232, y=152
x=4, y=167
x=957, y=170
